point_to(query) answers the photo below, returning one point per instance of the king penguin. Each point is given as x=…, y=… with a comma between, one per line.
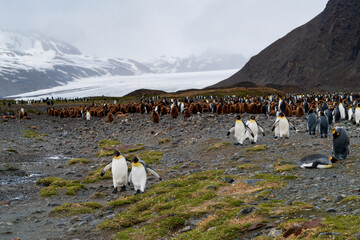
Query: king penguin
x=324, y=125
x=88, y=115
x=255, y=128
x=317, y=161
x=283, y=126
x=341, y=143
x=357, y=114
x=138, y=174
x=312, y=121
x=119, y=170
x=342, y=110
x=240, y=130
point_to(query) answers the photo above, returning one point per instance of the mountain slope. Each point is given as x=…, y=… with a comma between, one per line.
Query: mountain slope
x=322, y=54
x=33, y=61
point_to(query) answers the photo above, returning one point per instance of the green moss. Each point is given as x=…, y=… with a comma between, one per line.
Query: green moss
x=217, y=146
x=78, y=161
x=347, y=225
x=33, y=134
x=284, y=168
x=176, y=200
x=124, y=201
x=11, y=150
x=95, y=176
x=257, y=148
x=68, y=209
x=350, y=198
x=108, y=143
x=164, y=140
x=247, y=166
x=52, y=184
x=104, y=153
x=135, y=149
x=277, y=207
x=150, y=157
x=47, y=181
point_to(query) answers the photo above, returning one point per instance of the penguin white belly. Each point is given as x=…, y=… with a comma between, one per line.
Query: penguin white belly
x=254, y=128
x=283, y=128
x=138, y=177
x=88, y=116
x=239, y=132
x=119, y=172
x=357, y=115
x=342, y=111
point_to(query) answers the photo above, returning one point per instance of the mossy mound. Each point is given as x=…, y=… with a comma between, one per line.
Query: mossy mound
x=78, y=161
x=68, y=209
x=52, y=184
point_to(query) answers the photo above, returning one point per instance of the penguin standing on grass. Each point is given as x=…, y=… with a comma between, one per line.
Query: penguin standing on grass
x=119, y=171
x=341, y=143
x=138, y=174
x=240, y=130
x=255, y=128
x=317, y=161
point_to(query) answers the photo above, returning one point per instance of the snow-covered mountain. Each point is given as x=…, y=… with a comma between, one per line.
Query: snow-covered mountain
x=196, y=64
x=33, y=61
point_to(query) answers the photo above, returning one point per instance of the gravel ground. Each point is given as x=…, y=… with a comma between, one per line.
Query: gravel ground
x=24, y=214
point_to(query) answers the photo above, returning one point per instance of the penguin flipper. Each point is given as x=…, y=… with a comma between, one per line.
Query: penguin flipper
x=232, y=129
x=107, y=167
x=249, y=130
x=152, y=171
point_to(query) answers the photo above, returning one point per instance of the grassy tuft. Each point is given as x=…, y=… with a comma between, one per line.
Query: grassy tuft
x=164, y=140
x=217, y=146
x=78, y=161
x=94, y=176
x=257, y=148
x=68, y=209
x=107, y=143
x=52, y=184
x=33, y=134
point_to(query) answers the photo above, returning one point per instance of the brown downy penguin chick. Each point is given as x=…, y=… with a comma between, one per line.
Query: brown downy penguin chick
x=109, y=117
x=186, y=113
x=155, y=117
x=174, y=112
x=21, y=114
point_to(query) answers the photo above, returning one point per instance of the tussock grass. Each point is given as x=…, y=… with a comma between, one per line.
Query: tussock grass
x=78, y=161
x=34, y=134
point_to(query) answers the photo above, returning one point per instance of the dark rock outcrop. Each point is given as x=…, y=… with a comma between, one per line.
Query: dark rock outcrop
x=322, y=54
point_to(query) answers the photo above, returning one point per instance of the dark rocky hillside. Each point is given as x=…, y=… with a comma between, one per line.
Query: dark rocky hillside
x=321, y=54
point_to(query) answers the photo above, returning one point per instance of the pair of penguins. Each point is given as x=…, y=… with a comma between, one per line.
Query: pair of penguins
x=340, y=149
x=242, y=130
x=137, y=175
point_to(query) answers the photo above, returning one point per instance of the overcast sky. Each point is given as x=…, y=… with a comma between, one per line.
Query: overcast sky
x=146, y=29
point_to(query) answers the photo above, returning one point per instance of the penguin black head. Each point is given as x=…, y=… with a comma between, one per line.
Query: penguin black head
x=336, y=133
x=322, y=113
x=333, y=160
x=252, y=117
x=238, y=117
x=116, y=153
x=311, y=110
x=281, y=115
x=135, y=159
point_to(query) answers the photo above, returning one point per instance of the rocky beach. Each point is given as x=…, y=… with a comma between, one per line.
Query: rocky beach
x=255, y=191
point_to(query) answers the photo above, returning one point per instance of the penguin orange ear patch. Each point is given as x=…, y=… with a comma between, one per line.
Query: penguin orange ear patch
x=338, y=134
